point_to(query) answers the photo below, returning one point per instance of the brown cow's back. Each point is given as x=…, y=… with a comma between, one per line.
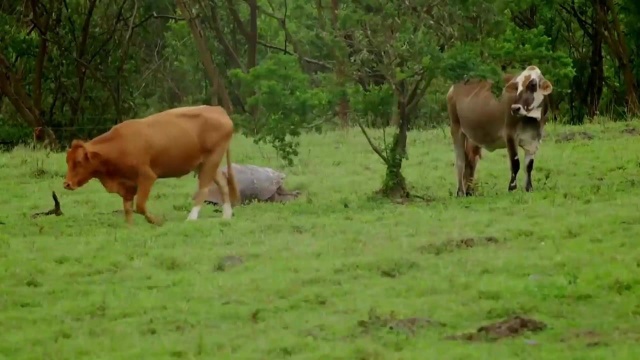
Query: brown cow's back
x=129, y=158
x=173, y=142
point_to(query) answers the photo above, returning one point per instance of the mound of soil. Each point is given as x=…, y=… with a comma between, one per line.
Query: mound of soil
x=452, y=245
x=630, y=131
x=503, y=329
x=391, y=322
x=228, y=262
x=589, y=337
x=575, y=135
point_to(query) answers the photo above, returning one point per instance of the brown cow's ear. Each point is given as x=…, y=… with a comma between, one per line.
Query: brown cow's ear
x=77, y=144
x=545, y=87
x=511, y=87
x=94, y=156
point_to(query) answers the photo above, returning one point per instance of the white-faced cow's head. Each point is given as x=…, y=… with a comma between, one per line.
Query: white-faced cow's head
x=530, y=89
x=81, y=165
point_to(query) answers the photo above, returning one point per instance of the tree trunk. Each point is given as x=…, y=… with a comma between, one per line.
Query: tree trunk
x=395, y=185
x=614, y=36
x=252, y=43
x=596, y=74
x=343, y=105
x=81, y=71
x=13, y=88
x=218, y=88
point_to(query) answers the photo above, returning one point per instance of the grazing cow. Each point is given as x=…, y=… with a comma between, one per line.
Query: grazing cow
x=130, y=157
x=479, y=120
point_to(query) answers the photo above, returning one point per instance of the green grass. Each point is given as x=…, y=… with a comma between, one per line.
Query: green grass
x=85, y=286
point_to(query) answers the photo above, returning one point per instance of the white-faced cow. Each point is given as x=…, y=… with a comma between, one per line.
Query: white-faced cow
x=129, y=158
x=480, y=120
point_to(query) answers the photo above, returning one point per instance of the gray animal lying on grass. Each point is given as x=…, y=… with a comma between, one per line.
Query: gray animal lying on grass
x=254, y=183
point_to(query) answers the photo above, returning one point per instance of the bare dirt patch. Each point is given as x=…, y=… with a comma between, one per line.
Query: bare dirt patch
x=573, y=135
x=448, y=246
x=588, y=337
x=390, y=322
x=228, y=262
x=630, y=131
x=507, y=328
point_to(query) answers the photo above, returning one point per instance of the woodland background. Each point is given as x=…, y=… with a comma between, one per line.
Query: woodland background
x=282, y=67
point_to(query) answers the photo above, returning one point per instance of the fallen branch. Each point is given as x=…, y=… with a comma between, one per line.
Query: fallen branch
x=55, y=211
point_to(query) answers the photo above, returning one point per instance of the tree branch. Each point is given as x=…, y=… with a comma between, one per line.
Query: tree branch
x=86, y=66
x=215, y=24
x=157, y=16
x=586, y=27
x=113, y=31
x=374, y=147
x=236, y=18
x=306, y=59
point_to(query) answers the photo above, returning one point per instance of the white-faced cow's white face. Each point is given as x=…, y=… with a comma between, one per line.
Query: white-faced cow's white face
x=530, y=88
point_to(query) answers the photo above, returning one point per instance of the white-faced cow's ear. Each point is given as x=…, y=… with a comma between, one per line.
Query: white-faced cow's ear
x=545, y=87
x=511, y=87
x=506, y=78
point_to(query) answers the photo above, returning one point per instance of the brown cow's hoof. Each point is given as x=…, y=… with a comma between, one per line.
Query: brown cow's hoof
x=460, y=193
x=529, y=188
x=513, y=187
x=152, y=220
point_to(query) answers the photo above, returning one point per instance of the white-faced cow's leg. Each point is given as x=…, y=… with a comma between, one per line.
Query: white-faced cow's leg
x=459, y=148
x=530, y=151
x=472, y=157
x=512, y=151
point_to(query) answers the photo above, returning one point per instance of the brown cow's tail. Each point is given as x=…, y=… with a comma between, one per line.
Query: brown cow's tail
x=234, y=194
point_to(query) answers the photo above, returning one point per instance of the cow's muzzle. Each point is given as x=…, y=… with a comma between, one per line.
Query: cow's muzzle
x=68, y=186
x=517, y=109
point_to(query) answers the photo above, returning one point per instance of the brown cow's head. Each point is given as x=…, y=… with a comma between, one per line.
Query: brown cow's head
x=530, y=89
x=81, y=165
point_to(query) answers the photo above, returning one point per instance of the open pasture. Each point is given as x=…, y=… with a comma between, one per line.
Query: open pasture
x=303, y=280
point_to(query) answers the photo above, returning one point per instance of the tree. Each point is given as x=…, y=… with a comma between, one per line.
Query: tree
x=397, y=41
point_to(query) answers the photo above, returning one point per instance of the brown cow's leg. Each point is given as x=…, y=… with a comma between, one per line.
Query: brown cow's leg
x=221, y=181
x=127, y=204
x=209, y=175
x=127, y=193
x=512, y=150
x=145, y=182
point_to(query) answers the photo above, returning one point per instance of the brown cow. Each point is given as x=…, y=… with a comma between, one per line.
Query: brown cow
x=130, y=157
x=479, y=120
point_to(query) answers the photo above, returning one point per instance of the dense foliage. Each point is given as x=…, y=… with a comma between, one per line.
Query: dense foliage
x=75, y=67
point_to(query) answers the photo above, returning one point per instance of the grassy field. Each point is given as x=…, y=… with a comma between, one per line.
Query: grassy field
x=305, y=280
